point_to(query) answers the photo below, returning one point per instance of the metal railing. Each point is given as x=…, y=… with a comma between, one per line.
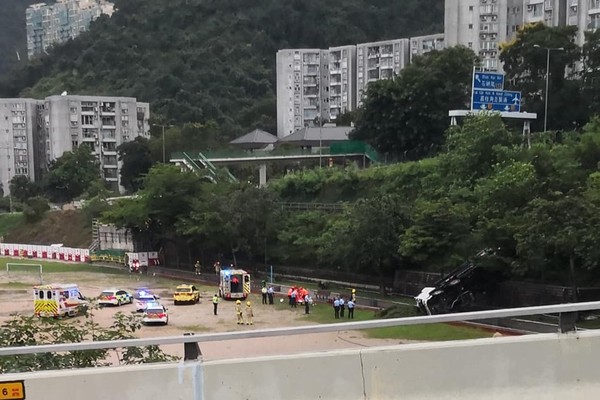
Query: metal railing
x=565, y=311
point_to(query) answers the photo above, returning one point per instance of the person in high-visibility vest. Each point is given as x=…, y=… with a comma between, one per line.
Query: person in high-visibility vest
x=215, y=301
x=264, y=294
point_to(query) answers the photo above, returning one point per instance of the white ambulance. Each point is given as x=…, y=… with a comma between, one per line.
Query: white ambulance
x=58, y=300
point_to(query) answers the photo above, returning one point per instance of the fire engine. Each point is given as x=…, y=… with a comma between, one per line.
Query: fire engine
x=234, y=284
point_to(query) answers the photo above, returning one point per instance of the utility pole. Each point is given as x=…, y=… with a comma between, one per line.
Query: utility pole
x=548, y=50
x=164, y=154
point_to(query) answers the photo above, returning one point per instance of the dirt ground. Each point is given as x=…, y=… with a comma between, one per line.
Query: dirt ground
x=197, y=318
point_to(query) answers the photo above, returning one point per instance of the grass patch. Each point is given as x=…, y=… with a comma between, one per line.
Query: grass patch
x=429, y=332
x=9, y=221
x=322, y=313
x=50, y=267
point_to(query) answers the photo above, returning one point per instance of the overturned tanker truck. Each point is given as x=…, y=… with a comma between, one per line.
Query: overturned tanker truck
x=464, y=289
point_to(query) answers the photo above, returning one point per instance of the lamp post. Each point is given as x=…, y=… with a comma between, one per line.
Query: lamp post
x=163, y=140
x=548, y=50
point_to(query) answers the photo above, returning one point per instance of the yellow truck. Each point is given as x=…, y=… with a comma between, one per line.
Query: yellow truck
x=186, y=294
x=58, y=300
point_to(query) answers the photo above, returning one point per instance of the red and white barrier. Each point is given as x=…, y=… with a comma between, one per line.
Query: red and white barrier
x=45, y=252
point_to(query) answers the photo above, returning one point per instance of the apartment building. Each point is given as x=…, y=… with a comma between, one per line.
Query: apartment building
x=342, y=81
x=302, y=88
x=379, y=60
x=482, y=25
x=420, y=45
x=102, y=123
x=20, y=131
x=33, y=133
x=52, y=24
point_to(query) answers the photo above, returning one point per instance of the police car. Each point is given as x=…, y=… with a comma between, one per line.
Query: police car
x=114, y=297
x=143, y=298
x=155, y=313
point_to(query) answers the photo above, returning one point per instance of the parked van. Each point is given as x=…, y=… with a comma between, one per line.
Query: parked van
x=58, y=300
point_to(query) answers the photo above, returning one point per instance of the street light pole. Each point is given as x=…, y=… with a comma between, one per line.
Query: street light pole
x=548, y=50
x=163, y=140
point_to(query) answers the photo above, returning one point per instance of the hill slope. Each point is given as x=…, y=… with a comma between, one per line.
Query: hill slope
x=12, y=32
x=199, y=60
x=71, y=228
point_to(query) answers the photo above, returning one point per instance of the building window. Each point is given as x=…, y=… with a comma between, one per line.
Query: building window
x=470, y=8
x=470, y=26
x=470, y=44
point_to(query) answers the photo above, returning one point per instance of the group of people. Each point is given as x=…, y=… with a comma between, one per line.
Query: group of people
x=299, y=295
x=340, y=305
x=240, y=313
x=267, y=294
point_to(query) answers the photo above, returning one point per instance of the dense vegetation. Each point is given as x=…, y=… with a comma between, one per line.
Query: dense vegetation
x=12, y=33
x=199, y=60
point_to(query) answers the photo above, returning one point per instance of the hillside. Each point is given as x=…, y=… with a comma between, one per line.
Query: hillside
x=198, y=60
x=12, y=33
x=71, y=228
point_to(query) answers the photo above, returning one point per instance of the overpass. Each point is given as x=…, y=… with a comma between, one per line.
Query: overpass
x=205, y=163
x=542, y=366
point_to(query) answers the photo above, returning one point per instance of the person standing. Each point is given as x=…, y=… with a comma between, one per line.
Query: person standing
x=294, y=300
x=342, y=307
x=336, y=308
x=350, y=309
x=217, y=266
x=353, y=296
x=198, y=268
x=306, y=304
x=238, y=312
x=215, y=301
x=270, y=293
x=264, y=294
x=249, y=313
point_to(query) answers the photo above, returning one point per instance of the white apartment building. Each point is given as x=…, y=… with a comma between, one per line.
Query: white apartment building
x=102, y=123
x=342, y=80
x=420, y=45
x=20, y=132
x=302, y=88
x=52, y=24
x=379, y=60
x=33, y=133
x=482, y=24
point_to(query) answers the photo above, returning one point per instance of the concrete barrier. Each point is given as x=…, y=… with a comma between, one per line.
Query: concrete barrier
x=545, y=366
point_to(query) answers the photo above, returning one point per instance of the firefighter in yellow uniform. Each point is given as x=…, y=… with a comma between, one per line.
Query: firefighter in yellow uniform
x=249, y=313
x=238, y=312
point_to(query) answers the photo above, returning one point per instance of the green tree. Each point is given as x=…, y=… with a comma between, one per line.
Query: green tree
x=136, y=159
x=563, y=229
x=525, y=67
x=31, y=331
x=21, y=188
x=366, y=237
x=35, y=208
x=71, y=174
x=406, y=117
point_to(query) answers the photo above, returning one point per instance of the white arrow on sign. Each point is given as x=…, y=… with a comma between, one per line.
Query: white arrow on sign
x=506, y=108
x=482, y=107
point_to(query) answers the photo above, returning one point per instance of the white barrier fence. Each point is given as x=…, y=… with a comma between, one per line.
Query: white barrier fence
x=45, y=252
x=521, y=367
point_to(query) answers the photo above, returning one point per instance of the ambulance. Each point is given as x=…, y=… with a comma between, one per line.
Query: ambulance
x=234, y=284
x=58, y=300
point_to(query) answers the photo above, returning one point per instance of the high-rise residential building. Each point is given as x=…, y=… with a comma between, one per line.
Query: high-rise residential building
x=379, y=60
x=33, y=133
x=48, y=25
x=102, y=123
x=482, y=25
x=420, y=45
x=20, y=132
x=342, y=80
x=302, y=89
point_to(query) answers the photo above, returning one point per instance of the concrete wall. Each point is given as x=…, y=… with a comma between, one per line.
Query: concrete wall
x=548, y=366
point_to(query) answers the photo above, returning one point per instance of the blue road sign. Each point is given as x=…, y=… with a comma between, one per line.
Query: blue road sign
x=496, y=100
x=488, y=80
